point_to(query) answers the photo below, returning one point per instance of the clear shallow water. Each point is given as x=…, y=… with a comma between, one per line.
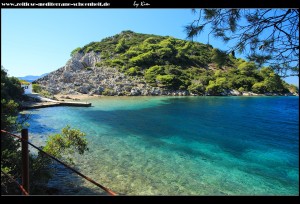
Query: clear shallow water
x=181, y=145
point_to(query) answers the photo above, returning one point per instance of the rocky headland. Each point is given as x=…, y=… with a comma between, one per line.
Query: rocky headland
x=132, y=64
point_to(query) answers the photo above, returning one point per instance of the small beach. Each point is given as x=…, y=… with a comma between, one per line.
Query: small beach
x=74, y=97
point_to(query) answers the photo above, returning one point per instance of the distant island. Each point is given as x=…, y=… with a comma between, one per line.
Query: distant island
x=133, y=64
x=31, y=78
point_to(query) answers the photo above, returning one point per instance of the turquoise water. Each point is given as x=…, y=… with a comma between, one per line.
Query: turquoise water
x=181, y=145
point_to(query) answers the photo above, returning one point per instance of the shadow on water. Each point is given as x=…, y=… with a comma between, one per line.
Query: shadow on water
x=35, y=126
x=66, y=182
x=164, y=122
x=228, y=122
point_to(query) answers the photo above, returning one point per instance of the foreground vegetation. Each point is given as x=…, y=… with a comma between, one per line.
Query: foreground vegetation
x=176, y=64
x=266, y=35
x=62, y=145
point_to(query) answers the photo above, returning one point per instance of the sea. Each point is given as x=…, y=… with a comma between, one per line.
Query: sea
x=161, y=145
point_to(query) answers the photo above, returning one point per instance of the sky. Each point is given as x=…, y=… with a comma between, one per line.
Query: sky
x=38, y=41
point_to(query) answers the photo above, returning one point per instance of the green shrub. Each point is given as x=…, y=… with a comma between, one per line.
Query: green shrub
x=197, y=88
x=152, y=72
x=259, y=87
x=168, y=81
x=121, y=46
x=108, y=92
x=131, y=53
x=115, y=62
x=241, y=89
x=36, y=88
x=217, y=87
x=219, y=57
x=133, y=71
x=247, y=68
x=78, y=49
x=143, y=59
x=64, y=145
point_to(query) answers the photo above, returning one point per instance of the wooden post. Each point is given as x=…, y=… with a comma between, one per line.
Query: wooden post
x=25, y=160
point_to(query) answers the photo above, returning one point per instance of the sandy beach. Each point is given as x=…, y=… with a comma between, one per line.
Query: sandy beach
x=75, y=97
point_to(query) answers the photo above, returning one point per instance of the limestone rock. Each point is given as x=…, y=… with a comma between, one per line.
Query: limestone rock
x=234, y=92
x=135, y=92
x=80, y=61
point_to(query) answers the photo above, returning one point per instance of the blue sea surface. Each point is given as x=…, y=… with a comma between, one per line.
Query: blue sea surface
x=180, y=145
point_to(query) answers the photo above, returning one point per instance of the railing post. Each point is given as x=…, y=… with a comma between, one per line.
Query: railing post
x=25, y=160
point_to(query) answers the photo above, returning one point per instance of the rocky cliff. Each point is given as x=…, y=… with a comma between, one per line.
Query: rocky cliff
x=81, y=76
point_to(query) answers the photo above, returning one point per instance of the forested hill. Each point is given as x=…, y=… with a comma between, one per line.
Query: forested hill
x=131, y=63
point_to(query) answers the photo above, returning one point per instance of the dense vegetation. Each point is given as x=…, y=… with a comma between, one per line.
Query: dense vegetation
x=61, y=145
x=176, y=64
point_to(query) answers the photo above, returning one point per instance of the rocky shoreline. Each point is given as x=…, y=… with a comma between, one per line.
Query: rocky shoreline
x=79, y=96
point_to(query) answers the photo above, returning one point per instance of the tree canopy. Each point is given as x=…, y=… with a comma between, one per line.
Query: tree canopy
x=267, y=35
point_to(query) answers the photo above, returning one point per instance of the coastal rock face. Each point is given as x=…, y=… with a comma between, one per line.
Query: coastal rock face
x=80, y=61
x=234, y=92
x=80, y=75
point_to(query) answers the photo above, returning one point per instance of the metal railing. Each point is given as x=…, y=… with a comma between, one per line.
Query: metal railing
x=25, y=164
x=16, y=182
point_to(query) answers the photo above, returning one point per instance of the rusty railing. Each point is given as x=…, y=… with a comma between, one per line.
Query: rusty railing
x=25, y=164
